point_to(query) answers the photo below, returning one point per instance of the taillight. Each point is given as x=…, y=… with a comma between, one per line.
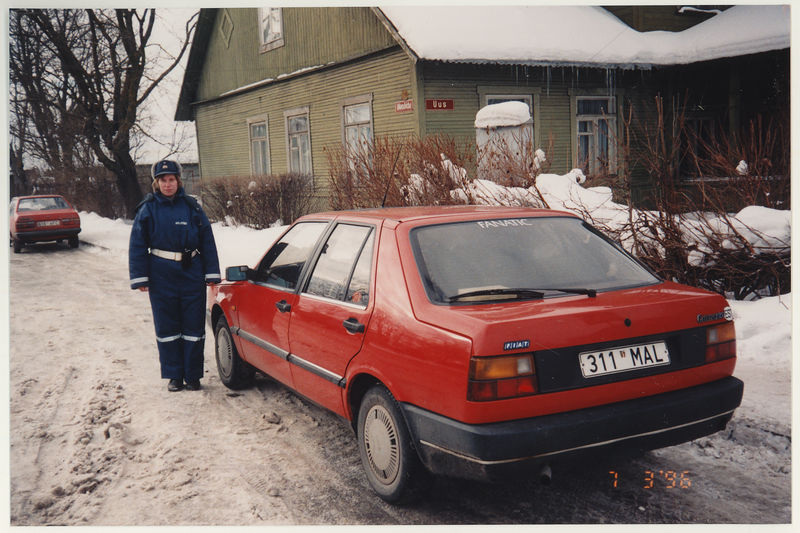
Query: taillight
x=70, y=221
x=720, y=342
x=497, y=378
x=25, y=223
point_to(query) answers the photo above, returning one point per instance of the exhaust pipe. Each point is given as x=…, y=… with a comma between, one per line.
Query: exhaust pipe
x=545, y=475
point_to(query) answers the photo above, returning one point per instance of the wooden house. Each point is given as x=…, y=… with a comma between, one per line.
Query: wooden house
x=270, y=88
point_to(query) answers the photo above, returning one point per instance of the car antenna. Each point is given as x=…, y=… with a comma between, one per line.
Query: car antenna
x=391, y=176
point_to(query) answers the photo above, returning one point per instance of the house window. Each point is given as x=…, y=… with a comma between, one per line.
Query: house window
x=270, y=24
x=596, y=129
x=298, y=141
x=259, y=147
x=527, y=137
x=357, y=123
x=499, y=99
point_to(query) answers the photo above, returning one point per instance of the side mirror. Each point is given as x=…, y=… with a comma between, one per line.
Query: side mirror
x=236, y=273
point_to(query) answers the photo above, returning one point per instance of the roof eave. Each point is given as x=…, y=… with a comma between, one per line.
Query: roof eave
x=395, y=34
x=545, y=63
x=194, y=65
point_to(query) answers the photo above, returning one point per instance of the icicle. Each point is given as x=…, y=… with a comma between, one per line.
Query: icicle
x=547, y=74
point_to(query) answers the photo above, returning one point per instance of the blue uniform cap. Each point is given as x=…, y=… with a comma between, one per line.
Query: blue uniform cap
x=166, y=167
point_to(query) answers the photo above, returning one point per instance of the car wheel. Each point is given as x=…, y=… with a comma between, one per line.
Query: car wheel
x=17, y=246
x=233, y=371
x=73, y=242
x=392, y=466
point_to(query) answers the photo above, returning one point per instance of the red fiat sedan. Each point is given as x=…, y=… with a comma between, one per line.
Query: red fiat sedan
x=42, y=218
x=477, y=341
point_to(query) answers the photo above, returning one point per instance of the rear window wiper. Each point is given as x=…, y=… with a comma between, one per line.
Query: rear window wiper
x=529, y=293
x=591, y=293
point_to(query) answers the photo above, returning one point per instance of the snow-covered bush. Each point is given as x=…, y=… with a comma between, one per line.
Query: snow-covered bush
x=714, y=236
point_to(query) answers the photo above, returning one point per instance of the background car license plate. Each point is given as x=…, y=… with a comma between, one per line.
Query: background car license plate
x=623, y=359
x=47, y=223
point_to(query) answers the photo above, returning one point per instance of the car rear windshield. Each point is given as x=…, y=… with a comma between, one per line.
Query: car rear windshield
x=42, y=204
x=488, y=260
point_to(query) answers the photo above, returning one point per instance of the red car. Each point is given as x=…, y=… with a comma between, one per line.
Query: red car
x=47, y=217
x=477, y=342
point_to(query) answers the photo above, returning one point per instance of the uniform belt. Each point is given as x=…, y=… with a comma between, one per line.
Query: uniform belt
x=174, y=256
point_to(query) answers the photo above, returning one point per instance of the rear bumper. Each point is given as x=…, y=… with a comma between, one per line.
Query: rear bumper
x=46, y=235
x=496, y=450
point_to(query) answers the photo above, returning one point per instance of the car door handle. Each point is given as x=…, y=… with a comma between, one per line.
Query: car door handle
x=353, y=326
x=283, y=306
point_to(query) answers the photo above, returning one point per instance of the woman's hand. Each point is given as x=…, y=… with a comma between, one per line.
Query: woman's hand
x=142, y=289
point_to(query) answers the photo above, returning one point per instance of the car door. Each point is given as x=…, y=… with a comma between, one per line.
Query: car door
x=267, y=299
x=331, y=314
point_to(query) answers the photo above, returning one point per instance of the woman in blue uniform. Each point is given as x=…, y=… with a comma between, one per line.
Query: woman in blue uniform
x=172, y=256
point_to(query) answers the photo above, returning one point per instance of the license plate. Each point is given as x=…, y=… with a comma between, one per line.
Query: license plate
x=43, y=223
x=623, y=359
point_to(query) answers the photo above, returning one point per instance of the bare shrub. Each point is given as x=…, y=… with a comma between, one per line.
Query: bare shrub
x=435, y=170
x=398, y=171
x=370, y=176
x=91, y=189
x=691, y=236
x=258, y=201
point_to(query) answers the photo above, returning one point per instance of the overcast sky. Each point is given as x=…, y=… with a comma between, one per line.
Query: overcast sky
x=160, y=106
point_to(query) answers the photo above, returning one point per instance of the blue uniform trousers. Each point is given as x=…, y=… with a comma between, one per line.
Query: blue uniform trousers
x=178, y=301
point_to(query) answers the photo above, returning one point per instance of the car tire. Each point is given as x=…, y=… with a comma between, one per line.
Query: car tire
x=17, y=246
x=390, y=461
x=233, y=371
x=73, y=242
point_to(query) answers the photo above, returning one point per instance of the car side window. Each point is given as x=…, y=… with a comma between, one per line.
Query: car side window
x=343, y=264
x=358, y=290
x=284, y=262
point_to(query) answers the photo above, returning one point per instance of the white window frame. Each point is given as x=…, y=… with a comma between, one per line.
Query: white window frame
x=287, y=115
x=357, y=101
x=592, y=165
x=267, y=164
x=275, y=38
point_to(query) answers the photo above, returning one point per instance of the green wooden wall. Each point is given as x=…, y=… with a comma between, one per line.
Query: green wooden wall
x=312, y=36
x=222, y=126
x=551, y=88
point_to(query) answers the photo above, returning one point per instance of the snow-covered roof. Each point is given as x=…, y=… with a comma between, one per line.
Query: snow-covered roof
x=581, y=35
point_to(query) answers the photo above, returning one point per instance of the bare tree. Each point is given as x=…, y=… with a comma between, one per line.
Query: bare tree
x=92, y=75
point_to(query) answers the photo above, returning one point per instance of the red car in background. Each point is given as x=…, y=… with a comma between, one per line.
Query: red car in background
x=42, y=218
x=477, y=342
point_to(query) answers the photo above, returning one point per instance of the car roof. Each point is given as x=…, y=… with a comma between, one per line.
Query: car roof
x=38, y=196
x=441, y=213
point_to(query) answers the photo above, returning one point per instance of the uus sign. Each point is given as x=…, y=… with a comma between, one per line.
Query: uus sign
x=439, y=105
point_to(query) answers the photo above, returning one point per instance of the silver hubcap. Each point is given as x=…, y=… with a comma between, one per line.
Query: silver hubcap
x=224, y=352
x=380, y=443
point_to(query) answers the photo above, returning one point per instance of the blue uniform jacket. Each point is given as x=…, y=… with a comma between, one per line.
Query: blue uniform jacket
x=173, y=225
